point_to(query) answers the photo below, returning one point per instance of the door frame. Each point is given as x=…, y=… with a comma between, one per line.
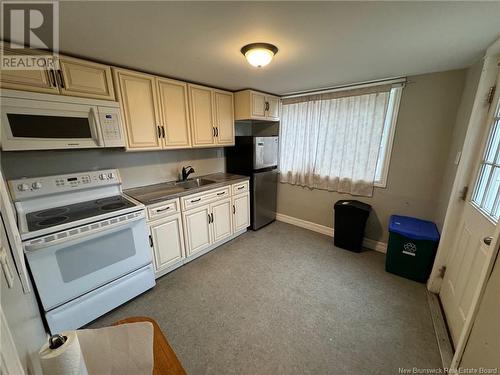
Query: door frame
x=471, y=148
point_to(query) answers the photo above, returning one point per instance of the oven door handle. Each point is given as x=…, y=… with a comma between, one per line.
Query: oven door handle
x=96, y=126
x=81, y=235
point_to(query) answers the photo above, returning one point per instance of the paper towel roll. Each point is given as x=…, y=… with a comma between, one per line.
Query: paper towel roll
x=65, y=360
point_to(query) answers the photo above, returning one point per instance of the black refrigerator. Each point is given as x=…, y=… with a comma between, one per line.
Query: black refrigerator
x=257, y=157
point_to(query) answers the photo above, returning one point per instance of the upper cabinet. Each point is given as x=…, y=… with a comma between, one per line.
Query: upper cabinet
x=138, y=99
x=254, y=105
x=155, y=111
x=76, y=77
x=174, y=113
x=212, y=117
x=84, y=78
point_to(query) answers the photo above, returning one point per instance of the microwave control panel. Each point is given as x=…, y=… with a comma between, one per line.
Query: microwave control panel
x=111, y=127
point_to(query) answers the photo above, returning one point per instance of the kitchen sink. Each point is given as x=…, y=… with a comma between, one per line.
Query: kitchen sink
x=197, y=182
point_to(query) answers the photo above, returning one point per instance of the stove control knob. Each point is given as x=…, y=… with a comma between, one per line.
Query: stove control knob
x=36, y=185
x=23, y=187
x=103, y=176
x=111, y=175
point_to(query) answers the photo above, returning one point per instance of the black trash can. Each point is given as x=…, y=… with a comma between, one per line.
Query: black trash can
x=350, y=223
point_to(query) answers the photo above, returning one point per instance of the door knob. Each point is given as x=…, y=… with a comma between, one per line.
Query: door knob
x=487, y=240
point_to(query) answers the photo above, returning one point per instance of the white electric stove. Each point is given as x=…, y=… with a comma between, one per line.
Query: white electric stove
x=86, y=244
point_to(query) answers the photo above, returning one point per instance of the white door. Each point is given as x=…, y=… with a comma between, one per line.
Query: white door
x=197, y=229
x=466, y=269
x=202, y=116
x=258, y=104
x=168, y=242
x=273, y=108
x=224, y=117
x=221, y=219
x=241, y=212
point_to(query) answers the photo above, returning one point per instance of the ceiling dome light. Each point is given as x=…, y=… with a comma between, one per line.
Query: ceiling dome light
x=259, y=54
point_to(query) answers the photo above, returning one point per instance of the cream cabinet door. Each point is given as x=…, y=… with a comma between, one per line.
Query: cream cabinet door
x=174, y=112
x=197, y=233
x=168, y=241
x=137, y=96
x=241, y=212
x=29, y=80
x=202, y=117
x=258, y=104
x=85, y=78
x=224, y=117
x=273, y=108
x=221, y=219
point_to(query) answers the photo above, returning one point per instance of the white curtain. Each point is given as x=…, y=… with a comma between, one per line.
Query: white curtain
x=333, y=144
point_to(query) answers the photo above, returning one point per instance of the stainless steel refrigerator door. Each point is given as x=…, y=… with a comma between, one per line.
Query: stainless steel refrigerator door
x=265, y=186
x=265, y=152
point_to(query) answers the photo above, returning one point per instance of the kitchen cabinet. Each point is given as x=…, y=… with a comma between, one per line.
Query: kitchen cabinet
x=29, y=80
x=241, y=211
x=138, y=99
x=174, y=113
x=221, y=219
x=212, y=116
x=167, y=241
x=197, y=231
x=224, y=117
x=254, y=105
x=76, y=77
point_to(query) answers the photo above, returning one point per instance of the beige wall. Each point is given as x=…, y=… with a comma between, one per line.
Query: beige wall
x=136, y=168
x=422, y=142
x=457, y=140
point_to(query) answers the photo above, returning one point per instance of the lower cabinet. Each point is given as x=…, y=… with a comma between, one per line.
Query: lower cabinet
x=167, y=241
x=181, y=228
x=241, y=212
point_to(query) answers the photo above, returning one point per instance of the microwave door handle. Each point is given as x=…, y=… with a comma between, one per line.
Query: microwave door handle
x=91, y=233
x=96, y=126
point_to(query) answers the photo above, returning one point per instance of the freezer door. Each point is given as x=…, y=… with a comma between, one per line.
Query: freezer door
x=264, y=190
x=265, y=152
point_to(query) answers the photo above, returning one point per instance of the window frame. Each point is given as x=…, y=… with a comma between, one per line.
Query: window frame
x=395, y=97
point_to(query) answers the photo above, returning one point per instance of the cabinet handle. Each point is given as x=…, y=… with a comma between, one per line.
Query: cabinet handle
x=163, y=209
x=234, y=209
x=212, y=217
x=241, y=187
x=216, y=131
x=213, y=131
x=209, y=219
x=159, y=131
x=195, y=200
x=150, y=241
x=221, y=193
x=267, y=106
x=61, y=79
x=163, y=131
x=52, y=78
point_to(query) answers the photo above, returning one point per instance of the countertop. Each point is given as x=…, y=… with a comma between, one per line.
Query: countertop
x=150, y=194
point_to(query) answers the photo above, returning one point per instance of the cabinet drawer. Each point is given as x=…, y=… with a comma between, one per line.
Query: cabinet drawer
x=196, y=200
x=240, y=187
x=163, y=209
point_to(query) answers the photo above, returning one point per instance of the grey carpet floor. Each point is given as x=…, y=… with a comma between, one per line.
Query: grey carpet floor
x=284, y=300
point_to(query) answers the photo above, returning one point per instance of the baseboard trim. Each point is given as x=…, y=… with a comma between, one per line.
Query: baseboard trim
x=323, y=229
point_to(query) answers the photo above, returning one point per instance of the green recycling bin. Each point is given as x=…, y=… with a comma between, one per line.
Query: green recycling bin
x=411, y=248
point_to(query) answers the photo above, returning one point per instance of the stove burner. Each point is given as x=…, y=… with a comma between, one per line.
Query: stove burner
x=52, y=221
x=112, y=206
x=52, y=212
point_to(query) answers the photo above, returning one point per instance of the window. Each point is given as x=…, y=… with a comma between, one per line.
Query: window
x=339, y=141
x=486, y=191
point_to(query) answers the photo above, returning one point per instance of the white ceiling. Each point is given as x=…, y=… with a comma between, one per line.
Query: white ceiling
x=320, y=43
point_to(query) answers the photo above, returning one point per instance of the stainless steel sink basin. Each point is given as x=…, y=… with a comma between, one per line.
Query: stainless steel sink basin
x=197, y=182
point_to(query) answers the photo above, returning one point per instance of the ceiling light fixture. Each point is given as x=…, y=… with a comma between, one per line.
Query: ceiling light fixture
x=259, y=54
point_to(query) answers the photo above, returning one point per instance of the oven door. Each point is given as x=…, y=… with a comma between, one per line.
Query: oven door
x=38, y=125
x=69, y=264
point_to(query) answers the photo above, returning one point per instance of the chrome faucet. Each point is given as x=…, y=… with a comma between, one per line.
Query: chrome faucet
x=186, y=171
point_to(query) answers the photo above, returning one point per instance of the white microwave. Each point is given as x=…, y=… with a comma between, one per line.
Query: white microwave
x=33, y=121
